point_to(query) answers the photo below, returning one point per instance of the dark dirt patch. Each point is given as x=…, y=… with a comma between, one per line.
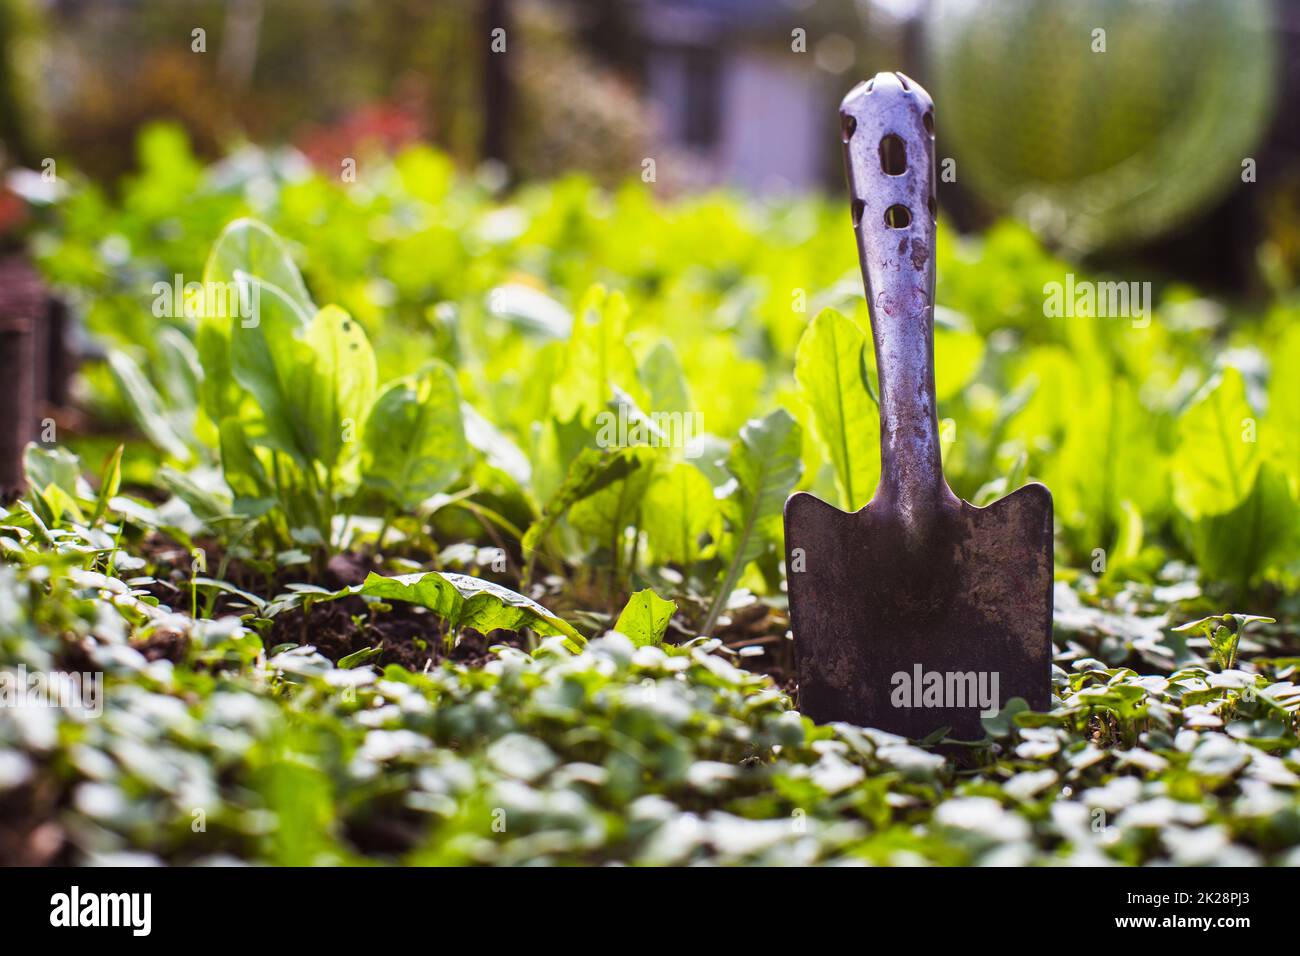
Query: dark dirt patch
x=761, y=626
x=474, y=649
x=390, y=833
x=165, y=553
x=408, y=635
x=347, y=570
x=73, y=657
x=29, y=833
x=163, y=645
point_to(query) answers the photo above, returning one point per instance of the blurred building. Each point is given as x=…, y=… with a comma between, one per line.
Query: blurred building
x=749, y=102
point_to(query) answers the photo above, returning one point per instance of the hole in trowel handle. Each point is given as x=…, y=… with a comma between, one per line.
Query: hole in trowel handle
x=848, y=125
x=893, y=155
x=898, y=216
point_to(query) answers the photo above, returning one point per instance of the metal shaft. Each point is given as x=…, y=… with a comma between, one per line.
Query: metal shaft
x=887, y=127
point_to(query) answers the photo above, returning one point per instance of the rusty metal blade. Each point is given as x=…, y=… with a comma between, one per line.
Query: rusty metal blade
x=868, y=603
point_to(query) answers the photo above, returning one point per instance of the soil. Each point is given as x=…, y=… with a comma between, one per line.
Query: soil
x=759, y=625
x=164, y=645
x=407, y=634
x=30, y=834
x=392, y=833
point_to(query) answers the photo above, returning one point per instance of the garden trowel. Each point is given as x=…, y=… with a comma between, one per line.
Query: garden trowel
x=920, y=611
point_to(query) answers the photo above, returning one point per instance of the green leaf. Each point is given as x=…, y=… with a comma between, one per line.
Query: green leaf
x=645, y=618
x=1004, y=484
x=590, y=471
x=110, y=480
x=608, y=511
x=661, y=372
x=180, y=372
x=414, y=442
x=1241, y=545
x=340, y=386
x=1223, y=644
x=242, y=469
x=828, y=367
x=225, y=587
x=1217, y=458
x=312, y=379
x=530, y=310
x=1223, y=631
x=54, y=477
x=244, y=248
x=958, y=352
x=464, y=601
x=1128, y=543
x=273, y=361
x=291, y=785
x=765, y=464
x=596, y=359
x=678, y=510
x=52, y=467
x=497, y=449
x=1110, y=455
x=219, y=393
x=208, y=504
x=357, y=658
x=54, y=503
x=1001, y=723
x=1282, y=426
x=146, y=406
x=250, y=247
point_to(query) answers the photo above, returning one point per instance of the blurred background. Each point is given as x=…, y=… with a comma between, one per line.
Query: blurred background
x=1162, y=131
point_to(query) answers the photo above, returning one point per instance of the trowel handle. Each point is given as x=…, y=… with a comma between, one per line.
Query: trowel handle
x=887, y=126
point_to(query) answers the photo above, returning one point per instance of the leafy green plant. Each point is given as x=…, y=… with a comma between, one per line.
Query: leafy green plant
x=831, y=369
x=680, y=513
x=1217, y=457
x=765, y=466
x=413, y=443
x=470, y=602
x=1224, y=631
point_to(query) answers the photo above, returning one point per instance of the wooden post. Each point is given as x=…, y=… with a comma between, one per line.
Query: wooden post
x=22, y=310
x=496, y=80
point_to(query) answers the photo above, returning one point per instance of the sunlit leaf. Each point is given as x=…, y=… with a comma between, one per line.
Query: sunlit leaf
x=1217, y=457
x=414, y=441
x=765, y=464
x=464, y=601
x=679, y=509
x=645, y=618
x=830, y=369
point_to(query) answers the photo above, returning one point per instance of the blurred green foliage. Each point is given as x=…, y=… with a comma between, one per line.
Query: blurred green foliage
x=1158, y=431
